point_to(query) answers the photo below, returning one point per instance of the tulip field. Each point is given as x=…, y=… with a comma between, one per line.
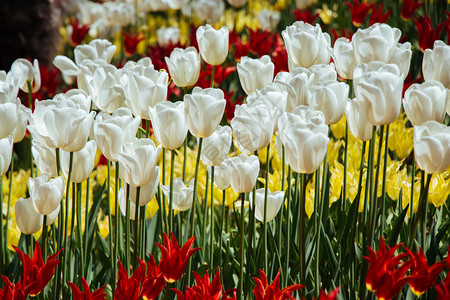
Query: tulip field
x=230, y=149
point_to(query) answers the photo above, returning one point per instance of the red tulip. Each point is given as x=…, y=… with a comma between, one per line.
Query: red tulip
x=36, y=274
x=377, y=15
x=408, y=8
x=305, y=16
x=79, y=32
x=154, y=281
x=261, y=42
x=128, y=288
x=427, y=35
x=331, y=296
x=358, y=12
x=206, y=289
x=174, y=259
x=264, y=291
x=86, y=293
x=12, y=291
x=130, y=42
x=423, y=276
x=443, y=289
x=384, y=277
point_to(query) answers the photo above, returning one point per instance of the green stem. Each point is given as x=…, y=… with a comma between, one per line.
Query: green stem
x=194, y=197
x=66, y=212
x=317, y=231
x=166, y=217
x=184, y=158
x=374, y=198
x=11, y=177
x=110, y=223
x=147, y=128
x=57, y=286
x=117, y=222
x=423, y=201
x=205, y=217
x=86, y=227
x=127, y=229
x=211, y=230
x=301, y=245
x=344, y=191
x=30, y=94
x=212, y=75
x=136, y=229
x=221, y=226
x=362, y=283
x=288, y=222
x=80, y=232
x=241, y=252
x=413, y=178
x=266, y=191
x=142, y=240
x=358, y=194
x=280, y=214
x=172, y=163
x=383, y=189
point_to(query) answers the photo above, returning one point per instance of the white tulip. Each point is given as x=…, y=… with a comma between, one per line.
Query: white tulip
x=436, y=63
x=357, y=121
x=6, y=147
x=168, y=36
x=184, y=66
x=82, y=164
x=204, y=110
x=274, y=202
x=137, y=161
x=330, y=98
x=432, y=146
x=306, y=45
x=213, y=44
x=216, y=147
x=244, y=171
x=111, y=132
x=221, y=174
x=27, y=72
x=255, y=74
x=28, y=219
x=343, y=57
x=182, y=194
x=424, y=102
x=46, y=193
x=45, y=158
x=379, y=87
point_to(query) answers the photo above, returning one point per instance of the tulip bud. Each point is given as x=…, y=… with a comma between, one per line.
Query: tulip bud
x=432, y=146
x=83, y=162
x=436, y=63
x=306, y=45
x=96, y=50
x=169, y=123
x=274, y=202
x=28, y=219
x=424, y=102
x=184, y=66
x=136, y=159
x=182, y=195
x=254, y=74
x=46, y=193
x=331, y=99
x=244, y=171
x=9, y=87
x=6, y=146
x=216, y=146
x=213, y=44
x=204, y=110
